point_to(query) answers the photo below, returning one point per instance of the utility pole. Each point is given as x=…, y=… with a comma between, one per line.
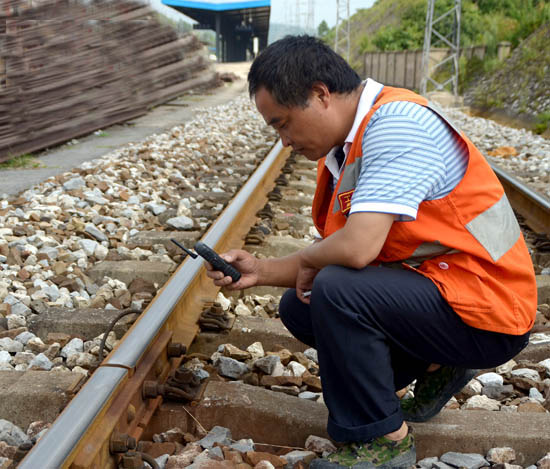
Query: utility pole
x=450, y=39
x=342, y=32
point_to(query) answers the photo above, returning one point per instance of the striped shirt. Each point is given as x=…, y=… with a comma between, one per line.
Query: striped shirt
x=409, y=155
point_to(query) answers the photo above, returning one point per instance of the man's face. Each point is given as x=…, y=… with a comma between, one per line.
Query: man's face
x=307, y=130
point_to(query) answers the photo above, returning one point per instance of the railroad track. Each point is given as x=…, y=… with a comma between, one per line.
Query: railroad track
x=112, y=402
x=534, y=208
x=114, y=408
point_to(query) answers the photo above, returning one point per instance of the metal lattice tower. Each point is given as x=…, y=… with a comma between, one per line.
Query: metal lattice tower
x=342, y=33
x=305, y=15
x=450, y=39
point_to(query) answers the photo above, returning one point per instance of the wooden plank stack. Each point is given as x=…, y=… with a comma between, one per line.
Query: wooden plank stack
x=70, y=67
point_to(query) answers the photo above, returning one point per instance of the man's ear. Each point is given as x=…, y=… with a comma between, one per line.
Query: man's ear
x=320, y=92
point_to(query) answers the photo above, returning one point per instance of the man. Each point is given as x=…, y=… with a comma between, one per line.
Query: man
x=421, y=273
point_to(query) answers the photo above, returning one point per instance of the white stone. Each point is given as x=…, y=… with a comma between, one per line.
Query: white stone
x=481, y=403
x=20, y=309
x=546, y=364
x=74, y=183
x=256, y=350
x=89, y=246
x=311, y=353
x=15, y=321
x=180, y=223
x=41, y=362
x=95, y=197
x=526, y=373
x=81, y=359
x=535, y=395
x=79, y=370
x=10, y=345
x=242, y=310
x=506, y=367
x=24, y=337
x=490, y=379
x=5, y=357
x=223, y=301
x=156, y=209
x=11, y=433
x=297, y=368
x=75, y=345
x=101, y=252
x=96, y=233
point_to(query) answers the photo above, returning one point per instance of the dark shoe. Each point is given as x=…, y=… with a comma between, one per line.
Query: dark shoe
x=433, y=390
x=380, y=452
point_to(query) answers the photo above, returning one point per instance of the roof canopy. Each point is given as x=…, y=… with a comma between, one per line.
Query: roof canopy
x=235, y=21
x=253, y=13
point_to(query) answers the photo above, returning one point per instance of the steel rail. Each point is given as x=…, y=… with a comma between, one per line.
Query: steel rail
x=59, y=447
x=528, y=203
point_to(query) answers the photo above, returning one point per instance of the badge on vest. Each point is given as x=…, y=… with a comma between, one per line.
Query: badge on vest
x=345, y=201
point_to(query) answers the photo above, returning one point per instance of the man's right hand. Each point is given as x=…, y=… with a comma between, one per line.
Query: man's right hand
x=244, y=262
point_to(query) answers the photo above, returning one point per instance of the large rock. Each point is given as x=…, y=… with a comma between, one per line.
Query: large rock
x=464, y=460
x=11, y=433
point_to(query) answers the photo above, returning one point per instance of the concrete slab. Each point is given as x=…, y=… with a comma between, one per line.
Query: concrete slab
x=279, y=246
x=127, y=271
x=263, y=415
x=146, y=239
x=85, y=323
x=245, y=331
x=276, y=418
x=36, y=395
x=534, y=353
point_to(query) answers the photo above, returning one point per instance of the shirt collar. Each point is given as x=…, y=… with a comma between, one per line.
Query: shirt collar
x=368, y=97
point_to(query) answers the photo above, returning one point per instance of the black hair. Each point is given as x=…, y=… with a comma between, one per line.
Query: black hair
x=289, y=67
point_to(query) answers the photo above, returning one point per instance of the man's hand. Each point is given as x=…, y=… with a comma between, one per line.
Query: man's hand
x=304, y=279
x=244, y=262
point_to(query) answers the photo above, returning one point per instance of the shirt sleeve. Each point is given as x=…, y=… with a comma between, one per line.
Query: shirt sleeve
x=401, y=165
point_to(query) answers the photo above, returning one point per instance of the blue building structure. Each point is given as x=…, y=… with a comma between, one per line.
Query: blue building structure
x=236, y=24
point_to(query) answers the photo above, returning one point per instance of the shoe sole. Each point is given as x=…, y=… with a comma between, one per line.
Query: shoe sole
x=445, y=396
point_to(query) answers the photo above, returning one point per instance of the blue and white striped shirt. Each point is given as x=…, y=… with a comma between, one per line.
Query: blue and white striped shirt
x=409, y=155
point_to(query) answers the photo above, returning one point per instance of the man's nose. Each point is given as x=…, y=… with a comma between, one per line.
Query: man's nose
x=285, y=139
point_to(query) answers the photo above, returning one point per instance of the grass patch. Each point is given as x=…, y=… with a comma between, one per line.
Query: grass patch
x=22, y=161
x=543, y=122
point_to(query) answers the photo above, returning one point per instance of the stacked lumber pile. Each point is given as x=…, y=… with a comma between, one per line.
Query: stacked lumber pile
x=70, y=67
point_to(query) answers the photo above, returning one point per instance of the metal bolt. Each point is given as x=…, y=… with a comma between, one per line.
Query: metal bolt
x=150, y=389
x=121, y=442
x=132, y=460
x=175, y=349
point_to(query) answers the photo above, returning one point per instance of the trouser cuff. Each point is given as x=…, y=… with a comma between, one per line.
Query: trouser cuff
x=367, y=432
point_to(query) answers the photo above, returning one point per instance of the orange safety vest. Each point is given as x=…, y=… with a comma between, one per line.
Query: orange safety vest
x=468, y=243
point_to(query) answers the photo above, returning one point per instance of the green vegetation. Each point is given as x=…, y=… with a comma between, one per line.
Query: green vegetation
x=400, y=24
x=23, y=161
x=543, y=123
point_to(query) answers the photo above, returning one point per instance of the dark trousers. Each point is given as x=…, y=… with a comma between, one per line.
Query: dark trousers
x=376, y=330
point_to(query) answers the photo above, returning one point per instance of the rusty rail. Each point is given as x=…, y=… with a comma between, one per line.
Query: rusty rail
x=528, y=203
x=111, y=404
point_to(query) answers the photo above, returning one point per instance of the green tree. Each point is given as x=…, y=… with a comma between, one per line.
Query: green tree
x=322, y=29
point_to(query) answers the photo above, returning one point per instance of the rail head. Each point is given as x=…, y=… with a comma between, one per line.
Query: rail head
x=529, y=204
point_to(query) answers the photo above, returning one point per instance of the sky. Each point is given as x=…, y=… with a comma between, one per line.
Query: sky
x=281, y=10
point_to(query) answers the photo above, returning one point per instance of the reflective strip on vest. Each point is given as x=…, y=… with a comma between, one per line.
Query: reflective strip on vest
x=496, y=229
